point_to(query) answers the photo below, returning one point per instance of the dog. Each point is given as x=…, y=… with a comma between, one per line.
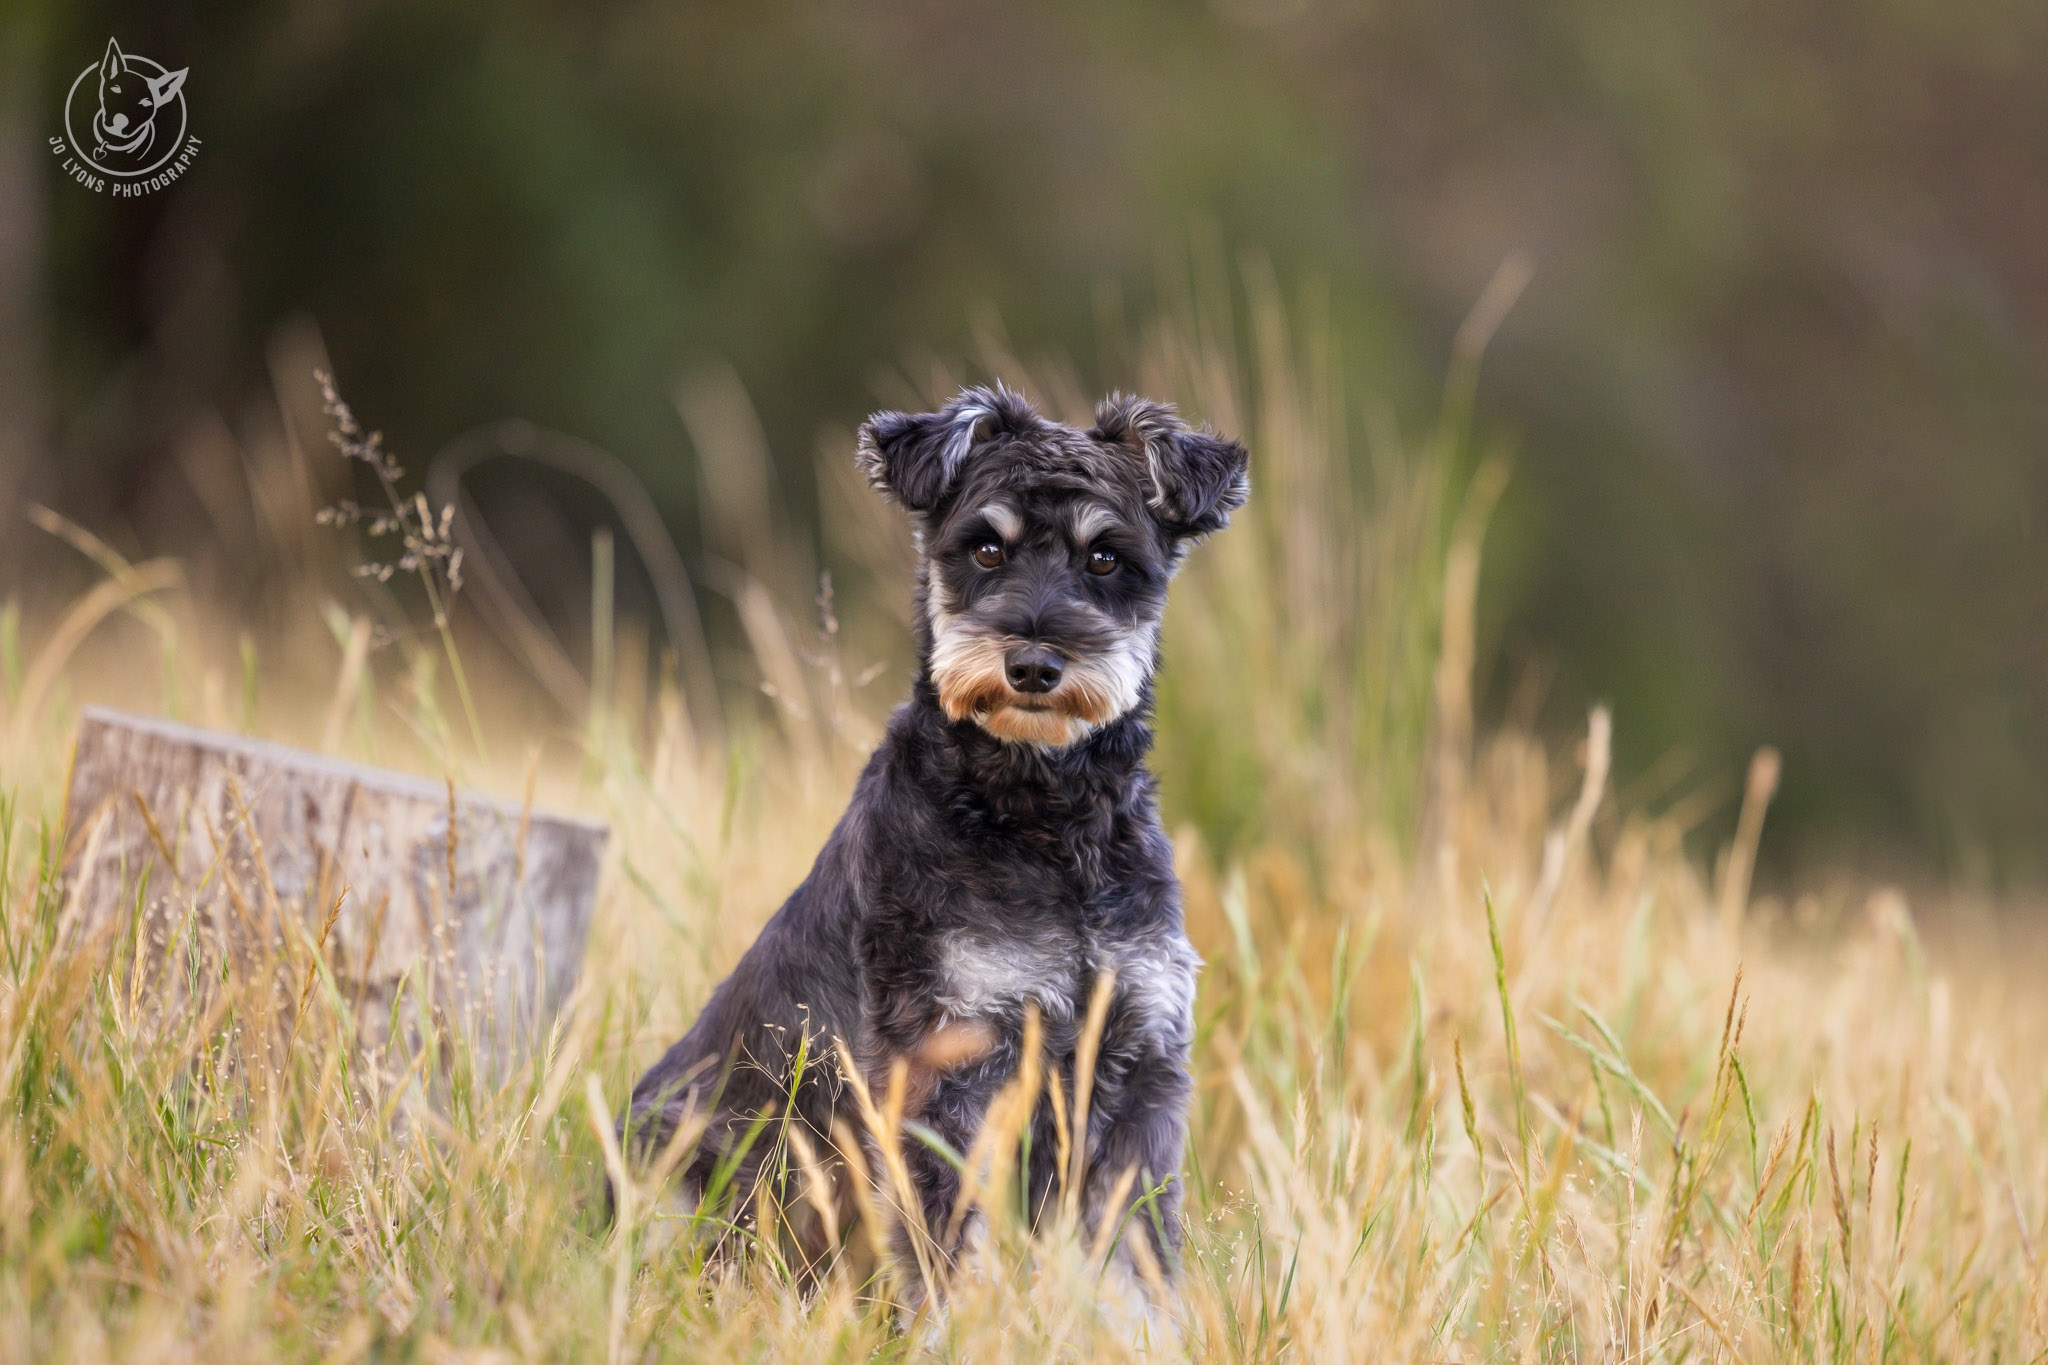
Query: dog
x=129, y=102
x=1002, y=853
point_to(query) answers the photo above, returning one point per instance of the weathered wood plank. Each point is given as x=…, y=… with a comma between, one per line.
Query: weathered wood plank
x=474, y=909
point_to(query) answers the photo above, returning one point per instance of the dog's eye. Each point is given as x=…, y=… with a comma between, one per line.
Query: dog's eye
x=988, y=554
x=1102, y=561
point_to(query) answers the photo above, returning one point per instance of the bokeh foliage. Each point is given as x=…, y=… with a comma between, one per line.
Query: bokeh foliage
x=1776, y=388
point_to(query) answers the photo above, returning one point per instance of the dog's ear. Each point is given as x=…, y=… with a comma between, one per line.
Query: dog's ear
x=110, y=65
x=163, y=89
x=1198, y=478
x=916, y=458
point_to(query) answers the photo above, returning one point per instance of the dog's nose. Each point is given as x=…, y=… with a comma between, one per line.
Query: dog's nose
x=1033, y=668
x=119, y=123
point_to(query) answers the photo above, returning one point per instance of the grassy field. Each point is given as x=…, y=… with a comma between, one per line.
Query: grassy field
x=1487, y=1068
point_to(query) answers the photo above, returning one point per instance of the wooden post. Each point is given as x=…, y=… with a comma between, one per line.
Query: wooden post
x=439, y=908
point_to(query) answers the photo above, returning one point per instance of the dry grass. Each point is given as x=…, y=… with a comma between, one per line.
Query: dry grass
x=1534, y=1092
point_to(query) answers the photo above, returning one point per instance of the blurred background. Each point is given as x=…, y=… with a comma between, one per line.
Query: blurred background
x=1771, y=405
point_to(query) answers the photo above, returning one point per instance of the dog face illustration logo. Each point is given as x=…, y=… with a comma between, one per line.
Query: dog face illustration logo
x=129, y=100
x=131, y=111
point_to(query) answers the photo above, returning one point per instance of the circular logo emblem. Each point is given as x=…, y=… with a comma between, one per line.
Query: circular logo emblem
x=125, y=115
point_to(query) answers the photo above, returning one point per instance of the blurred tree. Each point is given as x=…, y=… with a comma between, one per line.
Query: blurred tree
x=1778, y=384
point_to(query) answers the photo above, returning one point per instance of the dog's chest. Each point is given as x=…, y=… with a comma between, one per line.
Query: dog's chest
x=1031, y=918
x=986, y=972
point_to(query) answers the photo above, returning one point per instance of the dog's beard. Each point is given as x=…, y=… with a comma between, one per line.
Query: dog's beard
x=968, y=670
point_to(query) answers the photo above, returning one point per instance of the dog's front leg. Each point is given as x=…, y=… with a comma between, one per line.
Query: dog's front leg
x=939, y=1074
x=1138, y=1114
x=1138, y=1131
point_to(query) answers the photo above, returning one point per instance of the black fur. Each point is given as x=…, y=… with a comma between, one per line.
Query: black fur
x=987, y=862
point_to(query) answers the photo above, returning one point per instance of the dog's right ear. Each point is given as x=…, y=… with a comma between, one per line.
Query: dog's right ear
x=1198, y=477
x=110, y=65
x=916, y=458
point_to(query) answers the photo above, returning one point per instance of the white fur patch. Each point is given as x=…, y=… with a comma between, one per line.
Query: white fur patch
x=1156, y=976
x=960, y=439
x=1117, y=674
x=1158, y=498
x=1089, y=520
x=938, y=601
x=1130, y=1312
x=978, y=978
x=1005, y=520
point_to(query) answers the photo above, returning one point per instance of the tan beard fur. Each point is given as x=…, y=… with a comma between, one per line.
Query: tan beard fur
x=968, y=671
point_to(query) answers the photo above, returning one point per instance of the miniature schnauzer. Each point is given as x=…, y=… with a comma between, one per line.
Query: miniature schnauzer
x=1003, y=849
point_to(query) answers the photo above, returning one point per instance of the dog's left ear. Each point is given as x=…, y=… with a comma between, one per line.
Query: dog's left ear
x=916, y=458
x=163, y=89
x=1198, y=478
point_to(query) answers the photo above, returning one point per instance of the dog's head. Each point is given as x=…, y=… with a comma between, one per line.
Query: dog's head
x=1045, y=551
x=129, y=99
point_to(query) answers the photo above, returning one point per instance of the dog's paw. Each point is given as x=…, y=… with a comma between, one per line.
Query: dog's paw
x=1131, y=1311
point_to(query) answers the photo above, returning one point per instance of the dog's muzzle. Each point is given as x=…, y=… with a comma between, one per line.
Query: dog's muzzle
x=1032, y=692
